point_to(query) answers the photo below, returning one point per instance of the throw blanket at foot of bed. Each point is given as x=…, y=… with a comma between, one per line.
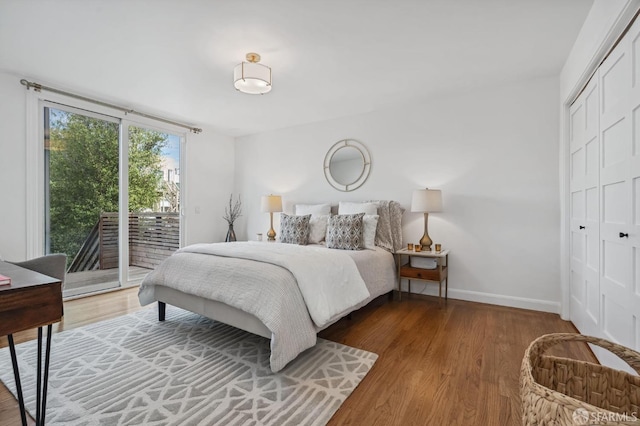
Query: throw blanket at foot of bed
x=266, y=288
x=328, y=279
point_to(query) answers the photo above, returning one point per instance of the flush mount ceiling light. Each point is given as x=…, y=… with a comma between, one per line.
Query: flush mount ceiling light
x=251, y=77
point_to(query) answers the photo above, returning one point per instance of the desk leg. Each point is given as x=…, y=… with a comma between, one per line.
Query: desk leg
x=16, y=373
x=47, y=358
x=41, y=383
x=39, y=378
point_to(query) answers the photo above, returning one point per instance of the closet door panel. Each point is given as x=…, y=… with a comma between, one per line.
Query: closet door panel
x=615, y=264
x=615, y=83
x=604, y=200
x=591, y=269
x=616, y=320
x=615, y=143
x=634, y=170
x=633, y=294
x=578, y=166
x=592, y=172
x=634, y=36
x=615, y=203
x=619, y=191
x=584, y=209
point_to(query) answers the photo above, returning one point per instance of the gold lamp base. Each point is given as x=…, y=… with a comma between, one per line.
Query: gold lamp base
x=271, y=234
x=426, y=241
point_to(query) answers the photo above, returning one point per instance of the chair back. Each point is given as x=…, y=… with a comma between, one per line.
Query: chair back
x=53, y=265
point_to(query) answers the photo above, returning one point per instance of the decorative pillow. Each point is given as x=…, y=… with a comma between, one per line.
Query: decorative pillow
x=345, y=231
x=353, y=208
x=318, y=228
x=370, y=222
x=302, y=209
x=294, y=229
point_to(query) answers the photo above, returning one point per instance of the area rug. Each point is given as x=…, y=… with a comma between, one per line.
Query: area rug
x=188, y=370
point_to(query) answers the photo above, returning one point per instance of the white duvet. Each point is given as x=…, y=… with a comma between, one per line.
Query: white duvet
x=329, y=280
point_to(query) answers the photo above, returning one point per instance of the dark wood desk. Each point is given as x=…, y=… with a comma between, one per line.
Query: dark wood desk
x=32, y=300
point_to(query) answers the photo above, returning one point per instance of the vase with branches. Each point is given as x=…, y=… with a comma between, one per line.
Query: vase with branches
x=231, y=213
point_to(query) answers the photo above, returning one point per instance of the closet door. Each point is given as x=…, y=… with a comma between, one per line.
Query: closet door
x=620, y=193
x=584, y=189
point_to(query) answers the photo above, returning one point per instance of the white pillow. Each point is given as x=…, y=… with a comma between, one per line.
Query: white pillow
x=303, y=209
x=355, y=208
x=370, y=222
x=318, y=228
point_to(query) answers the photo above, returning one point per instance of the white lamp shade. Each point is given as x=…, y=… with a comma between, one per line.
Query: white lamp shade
x=426, y=201
x=271, y=203
x=252, y=78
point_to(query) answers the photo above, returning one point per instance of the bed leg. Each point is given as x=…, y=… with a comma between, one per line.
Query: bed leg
x=162, y=310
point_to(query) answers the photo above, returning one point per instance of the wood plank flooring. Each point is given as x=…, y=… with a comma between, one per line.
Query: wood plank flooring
x=440, y=363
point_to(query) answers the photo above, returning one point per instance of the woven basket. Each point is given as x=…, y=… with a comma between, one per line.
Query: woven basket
x=562, y=391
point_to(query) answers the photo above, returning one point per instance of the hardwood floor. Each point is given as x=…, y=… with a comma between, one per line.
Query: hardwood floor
x=440, y=363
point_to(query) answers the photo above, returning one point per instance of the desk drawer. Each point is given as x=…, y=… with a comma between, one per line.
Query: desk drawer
x=30, y=307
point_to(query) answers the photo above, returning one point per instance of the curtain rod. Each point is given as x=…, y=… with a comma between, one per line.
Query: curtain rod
x=39, y=87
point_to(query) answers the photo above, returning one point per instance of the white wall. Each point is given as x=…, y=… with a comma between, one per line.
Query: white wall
x=13, y=243
x=208, y=174
x=494, y=154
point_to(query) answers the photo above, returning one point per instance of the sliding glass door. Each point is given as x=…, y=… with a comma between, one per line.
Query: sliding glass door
x=81, y=170
x=154, y=198
x=112, y=197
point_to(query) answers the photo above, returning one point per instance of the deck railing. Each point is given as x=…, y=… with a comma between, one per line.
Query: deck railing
x=153, y=237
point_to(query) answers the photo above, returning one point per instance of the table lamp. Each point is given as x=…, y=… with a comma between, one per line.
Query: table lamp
x=426, y=201
x=272, y=204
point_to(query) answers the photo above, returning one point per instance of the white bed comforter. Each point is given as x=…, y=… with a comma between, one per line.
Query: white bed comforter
x=328, y=279
x=262, y=288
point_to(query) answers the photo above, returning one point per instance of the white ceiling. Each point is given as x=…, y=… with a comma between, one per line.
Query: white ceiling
x=330, y=58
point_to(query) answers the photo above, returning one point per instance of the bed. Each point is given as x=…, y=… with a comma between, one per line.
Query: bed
x=284, y=292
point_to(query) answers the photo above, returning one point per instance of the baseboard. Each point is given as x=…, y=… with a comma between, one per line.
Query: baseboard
x=492, y=299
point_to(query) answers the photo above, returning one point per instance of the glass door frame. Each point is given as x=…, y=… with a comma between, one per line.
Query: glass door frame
x=124, y=190
x=34, y=169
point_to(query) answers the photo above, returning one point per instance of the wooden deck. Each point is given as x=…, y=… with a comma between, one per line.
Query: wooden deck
x=84, y=282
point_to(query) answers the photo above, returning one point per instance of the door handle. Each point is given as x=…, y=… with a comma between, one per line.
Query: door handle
x=623, y=235
x=581, y=227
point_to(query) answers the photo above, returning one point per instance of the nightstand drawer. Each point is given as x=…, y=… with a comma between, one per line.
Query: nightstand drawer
x=407, y=271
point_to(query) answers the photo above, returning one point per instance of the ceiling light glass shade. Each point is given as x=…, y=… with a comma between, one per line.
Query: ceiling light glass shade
x=252, y=78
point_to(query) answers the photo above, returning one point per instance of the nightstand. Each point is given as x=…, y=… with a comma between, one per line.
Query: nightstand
x=439, y=274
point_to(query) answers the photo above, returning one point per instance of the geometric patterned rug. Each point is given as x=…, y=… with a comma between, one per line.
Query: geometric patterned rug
x=187, y=370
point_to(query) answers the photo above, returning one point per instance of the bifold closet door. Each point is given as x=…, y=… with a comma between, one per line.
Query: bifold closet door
x=620, y=191
x=584, y=207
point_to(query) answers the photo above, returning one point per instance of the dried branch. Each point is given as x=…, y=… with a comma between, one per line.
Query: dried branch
x=234, y=210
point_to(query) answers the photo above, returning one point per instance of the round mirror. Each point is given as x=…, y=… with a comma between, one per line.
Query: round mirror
x=347, y=165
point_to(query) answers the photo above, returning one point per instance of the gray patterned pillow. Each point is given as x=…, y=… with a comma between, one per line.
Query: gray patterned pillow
x=294, y=229
x=345, y=232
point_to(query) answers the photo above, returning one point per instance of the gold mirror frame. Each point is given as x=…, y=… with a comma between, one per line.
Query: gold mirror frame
x=364, y=173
